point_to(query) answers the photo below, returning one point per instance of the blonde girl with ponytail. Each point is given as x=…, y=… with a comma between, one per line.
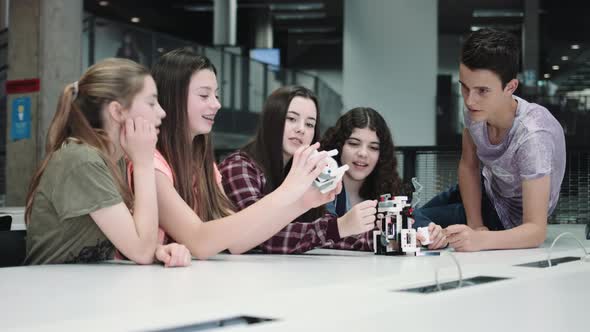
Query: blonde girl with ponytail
x=79, y=208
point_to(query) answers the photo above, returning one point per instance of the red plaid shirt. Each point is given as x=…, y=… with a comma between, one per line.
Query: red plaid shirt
x=243, y=182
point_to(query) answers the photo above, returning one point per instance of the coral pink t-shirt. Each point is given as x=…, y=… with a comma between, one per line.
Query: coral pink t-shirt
x=160, y=164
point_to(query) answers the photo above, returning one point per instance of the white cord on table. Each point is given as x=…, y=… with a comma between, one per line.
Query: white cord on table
x=458, y=269
x=586, y=257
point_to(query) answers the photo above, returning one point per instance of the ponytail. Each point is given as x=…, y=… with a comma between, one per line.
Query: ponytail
x=56, y=135
x=79, y=115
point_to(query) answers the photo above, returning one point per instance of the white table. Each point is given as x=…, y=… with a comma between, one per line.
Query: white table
x=322, y=290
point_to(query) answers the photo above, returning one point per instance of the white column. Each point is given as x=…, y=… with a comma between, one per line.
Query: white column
x=390, y=64
x=53, y=54
x=530, y=46
x=224, y=22
x=263, y=30
x=4, y=10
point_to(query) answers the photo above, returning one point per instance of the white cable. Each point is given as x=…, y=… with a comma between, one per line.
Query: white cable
x=458, y=269
x=417, y=191
x=555, y=241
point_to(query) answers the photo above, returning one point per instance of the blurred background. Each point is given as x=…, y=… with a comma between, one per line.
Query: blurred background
x=400, y=57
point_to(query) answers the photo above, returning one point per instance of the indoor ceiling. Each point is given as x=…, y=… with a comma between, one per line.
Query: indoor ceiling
x=309, y=32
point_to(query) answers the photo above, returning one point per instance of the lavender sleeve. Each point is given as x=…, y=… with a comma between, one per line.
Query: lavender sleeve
x=534, y=156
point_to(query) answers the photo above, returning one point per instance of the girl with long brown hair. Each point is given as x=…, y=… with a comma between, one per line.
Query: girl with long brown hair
x=78, y=204
x=192, y=207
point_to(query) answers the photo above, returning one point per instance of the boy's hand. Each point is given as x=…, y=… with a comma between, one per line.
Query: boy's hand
x=463, y=238
x=438, y=240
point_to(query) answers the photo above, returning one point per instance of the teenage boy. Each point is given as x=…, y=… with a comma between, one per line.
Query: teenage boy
x=513, y=156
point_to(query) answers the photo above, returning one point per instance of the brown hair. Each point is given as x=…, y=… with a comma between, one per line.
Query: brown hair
x=191, y=159
x=266, y=148
x=79, y=115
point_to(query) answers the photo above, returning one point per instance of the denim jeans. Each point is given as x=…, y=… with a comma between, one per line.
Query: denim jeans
x=447, y=209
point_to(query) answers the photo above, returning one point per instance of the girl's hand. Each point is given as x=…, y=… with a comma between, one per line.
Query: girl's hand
x=313, y=197
x=138, y=139
x=360, y=219
x=173, y=255
x=306, y=166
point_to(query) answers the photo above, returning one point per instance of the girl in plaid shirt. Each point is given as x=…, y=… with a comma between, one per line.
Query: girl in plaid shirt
x=289, y=119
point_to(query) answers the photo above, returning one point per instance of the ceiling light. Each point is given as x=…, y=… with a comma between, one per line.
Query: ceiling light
x=547, y=76
x=135, y=19
x=198, y=8
x=575, y=47
x=497, y=13
x=297, y=6
x=299, y=16
x=312, y=30
x=555, y=67
x=103, y=3
x=564, y=58
x=323, y=41
x=506, y=27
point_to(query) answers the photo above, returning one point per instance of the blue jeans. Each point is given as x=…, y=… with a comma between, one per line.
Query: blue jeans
x=447, y=209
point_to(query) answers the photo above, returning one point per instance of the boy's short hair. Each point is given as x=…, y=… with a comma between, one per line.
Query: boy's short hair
x=494, y=50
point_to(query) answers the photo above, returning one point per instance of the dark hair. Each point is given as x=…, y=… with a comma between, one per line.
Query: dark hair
x=384, y=179
x=191, y=159
x=494, y=50
x=266, y=148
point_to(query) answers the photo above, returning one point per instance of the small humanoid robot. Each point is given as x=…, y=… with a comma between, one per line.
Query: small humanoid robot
x=395, y=235
x=331, y=175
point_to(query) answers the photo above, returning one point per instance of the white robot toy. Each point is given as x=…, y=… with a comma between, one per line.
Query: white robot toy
x=395, y=235
x=331, y=175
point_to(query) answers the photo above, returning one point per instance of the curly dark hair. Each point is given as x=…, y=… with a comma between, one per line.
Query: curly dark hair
x=384, y=179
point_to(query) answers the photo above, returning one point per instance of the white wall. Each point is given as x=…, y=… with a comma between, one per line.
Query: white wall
x=390, y=64
x=333, y=78
x=449, y=51
x=4, y=10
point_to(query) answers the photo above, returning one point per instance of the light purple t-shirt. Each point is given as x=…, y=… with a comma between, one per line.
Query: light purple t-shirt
x=534, y=147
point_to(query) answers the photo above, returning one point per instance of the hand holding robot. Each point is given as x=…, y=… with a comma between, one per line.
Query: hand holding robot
x=331, y=175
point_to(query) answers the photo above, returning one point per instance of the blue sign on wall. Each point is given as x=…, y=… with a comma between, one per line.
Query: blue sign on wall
x=20, y=127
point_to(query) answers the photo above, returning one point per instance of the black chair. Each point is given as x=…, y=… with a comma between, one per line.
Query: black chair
x=12, y=248
x=5, y=222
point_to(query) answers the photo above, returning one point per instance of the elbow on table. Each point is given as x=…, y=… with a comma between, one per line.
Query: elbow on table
x=538, y=236
x=203, y=252
x=237, y=250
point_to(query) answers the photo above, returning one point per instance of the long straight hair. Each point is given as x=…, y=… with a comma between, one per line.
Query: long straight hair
x=266, y=148
x=80, y=115
x=384, y=179
x=191, y=159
